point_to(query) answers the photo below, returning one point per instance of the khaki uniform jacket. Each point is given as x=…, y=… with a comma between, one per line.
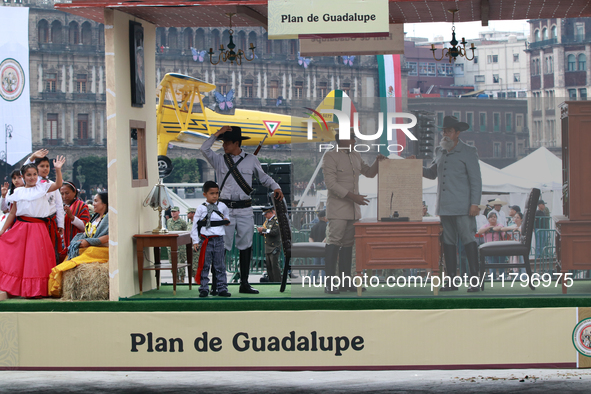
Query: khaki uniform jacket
x=459, y=183
x=341, y=175
x=272, y=237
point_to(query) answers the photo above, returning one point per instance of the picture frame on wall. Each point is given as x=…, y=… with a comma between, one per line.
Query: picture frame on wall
x=136, y=61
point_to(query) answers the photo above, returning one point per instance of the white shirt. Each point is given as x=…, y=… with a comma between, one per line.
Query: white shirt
x=3, y=205
x=31, y=201
x=501, y=217
x=201, y=214
x=55, y=202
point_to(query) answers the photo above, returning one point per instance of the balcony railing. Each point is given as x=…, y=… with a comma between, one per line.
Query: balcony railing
x=577, y=38
x=83, y=141
x=53, y=141
x=543, y=43
x=53, y=95
x=84, y=96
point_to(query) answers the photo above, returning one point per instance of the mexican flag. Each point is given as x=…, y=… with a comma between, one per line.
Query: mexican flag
x=390, y=98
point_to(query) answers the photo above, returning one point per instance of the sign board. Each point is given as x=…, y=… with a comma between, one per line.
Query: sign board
x=393, y=44
x=293, y=17
x=400, y=188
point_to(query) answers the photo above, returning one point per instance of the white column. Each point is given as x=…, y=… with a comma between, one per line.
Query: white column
x=355, y=87
x=71, y=139
x=64, y=77
x=308, y=91
x=101, y=116
x=332, y=82
x=93, y=83
x=63, y=124
x=101, y=80
x=93, y=130
x=71, y=79
x=290, y=86
x=259, y=83
x=40, y=78
x=284, y=88
x=266, y=86
x=314, y=87
x=41, y=121
x=338, y=83
x=239, y=87
x=206, y=76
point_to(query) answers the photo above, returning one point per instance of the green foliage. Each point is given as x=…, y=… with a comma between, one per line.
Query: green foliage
x=93, y=170
x=184, y=171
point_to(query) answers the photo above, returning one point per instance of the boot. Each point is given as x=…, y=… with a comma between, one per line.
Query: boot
x=245, y=287
x=451, y=262
x=330, y=260
x=472, y=255
x=345, y=259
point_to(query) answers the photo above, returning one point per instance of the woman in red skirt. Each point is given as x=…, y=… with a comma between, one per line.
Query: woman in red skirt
x=76, y=217
x=26, y=252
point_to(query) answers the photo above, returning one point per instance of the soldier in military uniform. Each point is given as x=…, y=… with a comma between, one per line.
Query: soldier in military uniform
x=459, y=190
x=190, y=216
x=270, y=230
x=234, y=171
x=175, y=223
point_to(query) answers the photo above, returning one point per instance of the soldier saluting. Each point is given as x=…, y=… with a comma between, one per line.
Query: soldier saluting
x=234, y=171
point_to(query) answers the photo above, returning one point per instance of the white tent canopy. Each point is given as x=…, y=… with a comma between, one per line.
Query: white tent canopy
x=540, y=166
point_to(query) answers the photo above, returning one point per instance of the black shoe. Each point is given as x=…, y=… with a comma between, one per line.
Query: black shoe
x=336, y=291
x=224, y=293
x=448, y=288
x=473, y=289
x=245, y=288
x=203, y=294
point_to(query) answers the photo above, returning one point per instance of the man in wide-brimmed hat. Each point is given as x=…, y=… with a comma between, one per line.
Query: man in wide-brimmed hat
x=234, y=171
x=270, y=230
x=459, y=189
x=497, y=205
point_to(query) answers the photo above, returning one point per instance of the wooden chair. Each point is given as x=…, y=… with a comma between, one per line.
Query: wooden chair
x=514, y=248
x=307, y=250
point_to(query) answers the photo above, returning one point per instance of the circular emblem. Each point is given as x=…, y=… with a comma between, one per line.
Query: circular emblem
x=582, y=337
x=12, y=79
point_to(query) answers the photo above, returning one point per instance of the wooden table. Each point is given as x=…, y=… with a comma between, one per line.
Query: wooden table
x=573, y=249
x=392, y=245
x=174, y=240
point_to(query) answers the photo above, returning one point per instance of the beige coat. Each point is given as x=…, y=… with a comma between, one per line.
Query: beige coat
x=341, y=175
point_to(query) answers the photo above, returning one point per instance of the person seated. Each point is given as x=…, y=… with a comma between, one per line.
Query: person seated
x=91, y=246
x=77, y=215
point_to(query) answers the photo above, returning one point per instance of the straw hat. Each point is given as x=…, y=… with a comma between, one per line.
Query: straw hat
x=496, y=201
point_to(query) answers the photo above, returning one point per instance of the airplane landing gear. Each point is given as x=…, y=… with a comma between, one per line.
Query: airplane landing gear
x=164, y=166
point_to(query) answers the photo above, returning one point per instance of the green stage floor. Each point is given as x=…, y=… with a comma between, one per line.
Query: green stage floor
x=579, y=295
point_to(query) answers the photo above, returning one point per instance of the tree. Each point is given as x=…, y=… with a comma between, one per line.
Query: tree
x=92, y=169
x=184, y=171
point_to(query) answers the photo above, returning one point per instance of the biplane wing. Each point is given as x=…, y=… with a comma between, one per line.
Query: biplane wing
x=183, y=120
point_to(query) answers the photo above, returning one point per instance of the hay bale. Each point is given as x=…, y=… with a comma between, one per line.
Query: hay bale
x=88, y=282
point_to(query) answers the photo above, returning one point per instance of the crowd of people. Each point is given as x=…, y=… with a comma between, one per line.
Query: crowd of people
x=300, y=187
x=47, y=229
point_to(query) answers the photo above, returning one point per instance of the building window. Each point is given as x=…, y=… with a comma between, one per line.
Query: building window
x=298, y=90
x=572, y=93
x=139, y=163
x=536, y=36
x=346, y=88
x=579, y=31
x=537, y=66
x=412, y=68
x=495, y=78
x=86, y=34
x=511, y=94
x=482, y=121
x=509, y=150
x=222, y=85
x=81, y=83
x=322, y=89
x=478, y=78
x=52, y=124
x=571, y=63
x=431, y=70
x=515, y=57
x=496, y=121
x=583, y=93
x=50, y=82
x=519, y=123
x=582, y=62
x=440, y=116
x=273, y=89
x=475, y=59
x=549, y=65
x=293, y=47
x=508, y=122
x=73, y=33
x=248, y=88
x=544, y=34
x=56, y=33
x=489, y=59
x=496, y=149
x=83, y=126
x=521, y=94
x=470, y=120
x=516, y=77
x=553, y=32
x=423, y=68
x=441, y=70
x=43, y=32
x=495, y=58
x=457, y=115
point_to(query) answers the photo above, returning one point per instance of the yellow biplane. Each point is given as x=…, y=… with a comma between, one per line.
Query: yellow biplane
x=184, y=121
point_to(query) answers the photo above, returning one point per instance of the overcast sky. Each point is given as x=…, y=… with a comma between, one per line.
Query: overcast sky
x=469, y=30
